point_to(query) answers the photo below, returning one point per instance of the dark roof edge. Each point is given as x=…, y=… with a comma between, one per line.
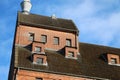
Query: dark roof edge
x=19, y=12
x=47, y=26
x=83, y=76
x=98, y=45
x=75, y=25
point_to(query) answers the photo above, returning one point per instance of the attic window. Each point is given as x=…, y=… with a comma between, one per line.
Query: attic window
x=56, y=40
x=113, y=61
x=31, y=36
x=39, y=79
x=43, y=38
x=37, y=49
x=68, y=42
x=39, y=61
x=70, y=54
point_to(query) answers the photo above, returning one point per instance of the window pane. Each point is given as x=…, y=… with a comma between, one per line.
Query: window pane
x=39, y=79
x=70, y=54
x=43, y=38
x=31, y=36
x=39, y=61
x=113, y=61
x=37, y=49
x=68, y=42
x=56, y=40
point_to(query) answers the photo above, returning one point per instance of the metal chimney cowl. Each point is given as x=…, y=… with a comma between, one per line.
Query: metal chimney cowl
x=26, y=6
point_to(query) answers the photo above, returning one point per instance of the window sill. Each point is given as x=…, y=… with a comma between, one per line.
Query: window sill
x=43, y=64
x=70, y=57
x=114, y=64
x=71, y=47
x=38, y=52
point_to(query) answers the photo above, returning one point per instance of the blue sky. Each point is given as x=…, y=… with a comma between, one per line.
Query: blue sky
x=97, y=20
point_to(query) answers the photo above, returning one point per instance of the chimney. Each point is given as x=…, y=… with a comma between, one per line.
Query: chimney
x=26, y=6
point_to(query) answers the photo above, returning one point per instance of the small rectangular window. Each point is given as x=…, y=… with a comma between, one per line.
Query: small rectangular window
x=70, y=54
x=39, y=60
x=39, y=79
x=113, y=61
x=56, y=40
x=37, y=49
x=43, y=38
x=68, y=42
x=31, y=36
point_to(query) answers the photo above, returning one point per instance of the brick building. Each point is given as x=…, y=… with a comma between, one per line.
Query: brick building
x=47, y=48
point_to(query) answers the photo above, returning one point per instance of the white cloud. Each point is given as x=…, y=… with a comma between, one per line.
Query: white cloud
x=98, y=21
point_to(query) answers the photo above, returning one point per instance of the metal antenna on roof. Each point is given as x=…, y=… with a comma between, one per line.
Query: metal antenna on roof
x=26, y=6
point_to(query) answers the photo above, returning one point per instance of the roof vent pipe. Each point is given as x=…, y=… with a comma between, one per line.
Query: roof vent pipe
x=54, y=16
x=26, y=6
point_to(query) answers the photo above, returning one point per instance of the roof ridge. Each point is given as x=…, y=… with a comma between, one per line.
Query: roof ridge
x=44, y=16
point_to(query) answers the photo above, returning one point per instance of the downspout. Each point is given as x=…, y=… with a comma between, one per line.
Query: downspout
x=15, y=73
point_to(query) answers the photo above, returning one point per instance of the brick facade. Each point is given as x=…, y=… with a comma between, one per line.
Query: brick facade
x=22, y=37
x=50, y=60
x=61, y=56
x=32, y=75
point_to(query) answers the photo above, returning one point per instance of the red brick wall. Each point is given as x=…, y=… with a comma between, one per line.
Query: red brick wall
x=23, y=34
x=31, y=75
x=22, y=38
x=113, y=56
x=38, y=45
x=68, y=49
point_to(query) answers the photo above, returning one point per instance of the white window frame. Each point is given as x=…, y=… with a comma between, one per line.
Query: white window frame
x=68, y=42
x=70, y=54
x=31, y=36
x=41, y=62
x=113, y=61
x=56, y=41
x=37, y=49
x=44, y=38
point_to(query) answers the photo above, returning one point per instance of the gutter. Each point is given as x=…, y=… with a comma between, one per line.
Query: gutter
x=15, y=73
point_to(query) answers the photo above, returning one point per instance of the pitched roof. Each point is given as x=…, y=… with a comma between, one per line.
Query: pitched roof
x=89, y=63
x=39, y=20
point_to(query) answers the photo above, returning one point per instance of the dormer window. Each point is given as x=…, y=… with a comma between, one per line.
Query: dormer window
x=39, y=60
x=37, y=49
x=31, y=36
x=113, y=61
x=70, y=54
x=68, y=42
